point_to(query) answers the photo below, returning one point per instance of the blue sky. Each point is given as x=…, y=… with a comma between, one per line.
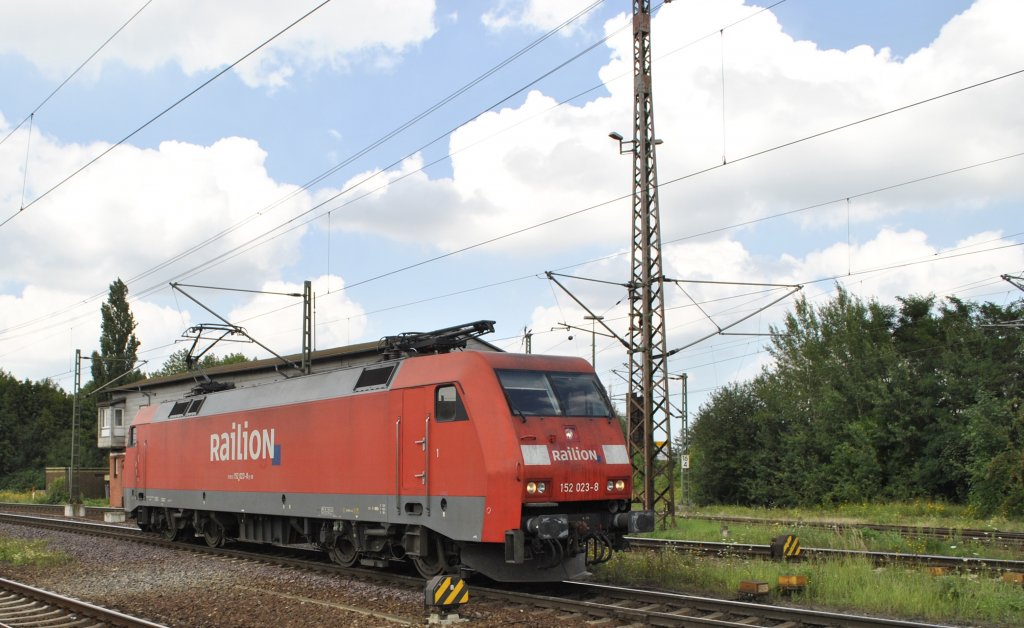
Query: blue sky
x=233, y=157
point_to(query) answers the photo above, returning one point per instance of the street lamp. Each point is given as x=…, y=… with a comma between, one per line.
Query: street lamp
x=627, y=146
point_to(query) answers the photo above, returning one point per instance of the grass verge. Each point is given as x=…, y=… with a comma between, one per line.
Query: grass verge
x=850, y=585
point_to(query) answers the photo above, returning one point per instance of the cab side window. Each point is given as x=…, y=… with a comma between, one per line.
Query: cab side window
x=448, y=404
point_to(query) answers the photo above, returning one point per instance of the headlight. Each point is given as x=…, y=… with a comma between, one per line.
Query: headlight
x=541, y=487
x=611, y=486
x=531, y=488
x=620, y=485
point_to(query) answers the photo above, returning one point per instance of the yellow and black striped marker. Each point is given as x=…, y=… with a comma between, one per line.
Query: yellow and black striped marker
x=446, y=591
x=785, y=546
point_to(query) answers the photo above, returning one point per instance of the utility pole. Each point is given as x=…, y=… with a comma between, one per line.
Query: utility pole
x=307, y=327
x=684, y=456
x=648, y=411
x=593, y=338
x=74, y=497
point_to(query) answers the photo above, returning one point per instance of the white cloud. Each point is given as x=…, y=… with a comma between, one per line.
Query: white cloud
x=900, y=263
x=535, y=162
x=137, y=208
x=130, y=212
x=269, y=319
x=541, y=15
x=203, y=36
x=531, y=163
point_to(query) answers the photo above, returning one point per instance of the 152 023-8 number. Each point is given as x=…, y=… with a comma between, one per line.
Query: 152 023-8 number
x=579, y=487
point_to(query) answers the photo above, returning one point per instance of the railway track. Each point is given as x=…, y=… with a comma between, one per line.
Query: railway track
x=22, y=605
x=1008, y=537
x=582, y=602
x=710, y=548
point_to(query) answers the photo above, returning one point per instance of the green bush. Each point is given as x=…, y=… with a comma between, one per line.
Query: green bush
x=57, y=493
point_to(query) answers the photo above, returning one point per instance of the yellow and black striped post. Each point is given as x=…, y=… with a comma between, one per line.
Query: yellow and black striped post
x=785, y=546
x=446, y=592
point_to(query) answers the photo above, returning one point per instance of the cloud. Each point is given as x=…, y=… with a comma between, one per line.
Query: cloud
x=698, y=311
x=129, y=216
x=276, y=321
x=202, y=36
x=137, y=208
x=539, y=15
x=537, y=162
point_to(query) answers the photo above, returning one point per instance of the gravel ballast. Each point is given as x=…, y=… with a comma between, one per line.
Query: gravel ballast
x=181, y=588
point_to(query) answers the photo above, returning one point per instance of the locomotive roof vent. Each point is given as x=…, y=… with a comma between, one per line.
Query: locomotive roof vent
x=374, y=377
x=437, y=341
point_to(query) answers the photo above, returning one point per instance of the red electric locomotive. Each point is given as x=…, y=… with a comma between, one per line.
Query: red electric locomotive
x=510, y=465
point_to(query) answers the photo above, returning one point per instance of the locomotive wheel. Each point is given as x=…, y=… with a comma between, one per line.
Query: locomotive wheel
x=344, y=552
x=169, y=530
x=436, y=562
x=213, y=534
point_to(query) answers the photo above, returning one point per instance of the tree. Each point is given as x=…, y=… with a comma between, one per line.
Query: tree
x=177, y=362
x=868, y=401
x=118, y=344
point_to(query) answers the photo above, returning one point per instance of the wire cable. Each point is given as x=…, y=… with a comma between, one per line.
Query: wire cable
x=164, y=112
x=28, y=118
x=693, y=174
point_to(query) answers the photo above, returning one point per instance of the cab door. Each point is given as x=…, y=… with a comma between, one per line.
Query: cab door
x=413, y=447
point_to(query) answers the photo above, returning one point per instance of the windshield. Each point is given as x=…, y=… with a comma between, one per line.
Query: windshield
x=540, y=393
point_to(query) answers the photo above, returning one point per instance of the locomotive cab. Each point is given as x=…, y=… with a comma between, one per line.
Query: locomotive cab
x=573, y=472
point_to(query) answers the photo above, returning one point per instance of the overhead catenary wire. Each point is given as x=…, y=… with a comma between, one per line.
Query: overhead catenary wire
x=481, y=244
x=369, y=147
x=53, y=93
x=505, y=99
x=161, y=114
x=8, y=331
x=195, y=269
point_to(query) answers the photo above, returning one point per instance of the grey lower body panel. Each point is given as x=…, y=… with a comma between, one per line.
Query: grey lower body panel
x=458, y=518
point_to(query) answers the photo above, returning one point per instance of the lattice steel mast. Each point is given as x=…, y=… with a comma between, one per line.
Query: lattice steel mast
x=648, y=414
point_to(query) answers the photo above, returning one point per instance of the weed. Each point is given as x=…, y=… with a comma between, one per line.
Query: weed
x=19, y=552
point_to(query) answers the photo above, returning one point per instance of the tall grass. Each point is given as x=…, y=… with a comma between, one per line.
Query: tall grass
x=56, y=495
x=23, y=497
x=850, y=585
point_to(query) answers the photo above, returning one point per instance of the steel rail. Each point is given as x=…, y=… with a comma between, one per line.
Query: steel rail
x=697, y=610
x=764, y=551
x=24, y=605
x=967, y=534
x=584, y=599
